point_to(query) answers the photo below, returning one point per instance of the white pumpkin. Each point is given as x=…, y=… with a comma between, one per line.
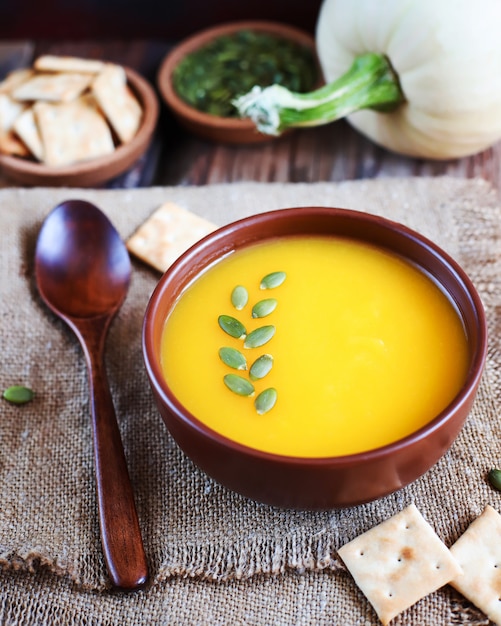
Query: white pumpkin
x=446, y=55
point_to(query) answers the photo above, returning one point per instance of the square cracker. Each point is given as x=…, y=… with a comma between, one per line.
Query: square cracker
x=478, y=551
x=72, y=131
x=118, y=103
x=10, y=110
x=11, y=144
x=26, y=128
x=398, y=562
x=52, y=87
x=14, y=79
x=166, y=234
x=54, y=63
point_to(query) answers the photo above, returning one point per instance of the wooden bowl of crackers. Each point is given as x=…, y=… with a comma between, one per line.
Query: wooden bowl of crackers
x=74, y=122
x=230, y=48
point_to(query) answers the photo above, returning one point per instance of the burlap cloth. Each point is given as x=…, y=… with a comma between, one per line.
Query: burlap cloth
x=215, y=557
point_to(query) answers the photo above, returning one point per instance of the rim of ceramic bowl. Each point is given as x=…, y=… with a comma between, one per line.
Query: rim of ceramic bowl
x=99, y=169
x=194, y=42
x=199, y=257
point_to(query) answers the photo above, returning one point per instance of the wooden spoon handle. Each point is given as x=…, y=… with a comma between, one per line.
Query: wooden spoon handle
x=120, y=532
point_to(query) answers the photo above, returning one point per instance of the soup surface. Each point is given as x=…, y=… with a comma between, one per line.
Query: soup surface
x=366, y=349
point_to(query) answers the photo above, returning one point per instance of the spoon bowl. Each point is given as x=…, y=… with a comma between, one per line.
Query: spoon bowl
x=82, y=270
x=87, y=283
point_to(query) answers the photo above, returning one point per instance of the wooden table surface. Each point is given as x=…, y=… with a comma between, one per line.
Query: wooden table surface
x=334, y=152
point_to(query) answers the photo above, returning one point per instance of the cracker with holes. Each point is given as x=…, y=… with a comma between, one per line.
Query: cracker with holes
x=26, y=128
x=14, y=79
x=399, y=562
x=478, y=551
x=10, y=110
x=54, y=63
x=117, y=101
x=166, y=234
x=12, y=145
x=61, y=87
x=72, y=131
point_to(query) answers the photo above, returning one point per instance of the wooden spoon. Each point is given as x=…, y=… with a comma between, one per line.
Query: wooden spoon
x=82, y=271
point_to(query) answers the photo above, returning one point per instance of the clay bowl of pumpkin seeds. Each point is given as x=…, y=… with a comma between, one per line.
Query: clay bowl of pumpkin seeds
x=250, y=330
x=201, y=75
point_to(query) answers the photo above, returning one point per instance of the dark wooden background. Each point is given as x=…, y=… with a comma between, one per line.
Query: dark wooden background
x=141, y=19
x=138, y=33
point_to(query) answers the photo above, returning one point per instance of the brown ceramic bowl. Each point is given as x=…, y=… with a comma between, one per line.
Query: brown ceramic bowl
x=94, y=171
x=315, y=483
x=212, y=127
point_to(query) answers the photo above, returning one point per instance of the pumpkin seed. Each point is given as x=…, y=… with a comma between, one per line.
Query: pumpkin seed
x=232, y=326
x=495, y=478
x=275, y=279
x=264, y=307
x=261, y=367
x=230, y=65
x=17, y=394
x=239, y=297
x=233, y=358
x=259, y=336
x=239, y=385
x=266, y=400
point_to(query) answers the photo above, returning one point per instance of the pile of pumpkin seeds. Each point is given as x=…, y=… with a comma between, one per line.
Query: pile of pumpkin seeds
x=229, y=66
x=244, y=384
